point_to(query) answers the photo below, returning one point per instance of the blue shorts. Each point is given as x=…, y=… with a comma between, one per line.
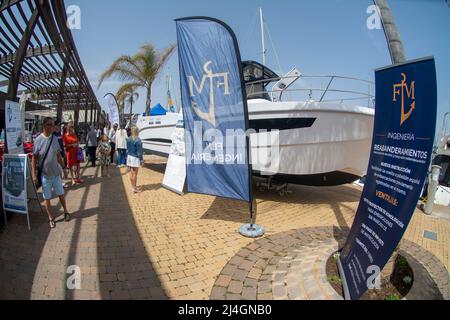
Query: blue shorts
x=52, y=183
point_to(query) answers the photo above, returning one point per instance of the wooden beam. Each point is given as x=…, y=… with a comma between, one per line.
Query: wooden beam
x=38, y=77
x=62, y=88
x=20, y=55
x=7, y=4
x=31, y=52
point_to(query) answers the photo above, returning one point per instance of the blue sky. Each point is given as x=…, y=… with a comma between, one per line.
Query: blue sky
x=318, y=37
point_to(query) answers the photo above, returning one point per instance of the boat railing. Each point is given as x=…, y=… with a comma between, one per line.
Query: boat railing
x=366, y=95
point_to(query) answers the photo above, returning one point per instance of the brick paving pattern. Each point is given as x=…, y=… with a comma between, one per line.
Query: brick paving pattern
x=292, y=266
x=159, y=245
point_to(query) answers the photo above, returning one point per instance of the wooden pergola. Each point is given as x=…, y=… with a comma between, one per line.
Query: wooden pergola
x=38, y=53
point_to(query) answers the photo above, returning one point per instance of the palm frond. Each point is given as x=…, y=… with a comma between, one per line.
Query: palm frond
x=123, y=68
x=127, y=89
x=164, y=56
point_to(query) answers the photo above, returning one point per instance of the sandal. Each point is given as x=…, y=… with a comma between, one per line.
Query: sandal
x=52, y=223
x=67, y=217
x=136, y=190
x=79, y=181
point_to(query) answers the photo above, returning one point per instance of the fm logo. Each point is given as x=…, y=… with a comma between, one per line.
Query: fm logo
x=209, y=75
x=400, y=89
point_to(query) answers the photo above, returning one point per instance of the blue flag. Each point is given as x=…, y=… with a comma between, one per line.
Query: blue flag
x=214, y=109
x=405, y=121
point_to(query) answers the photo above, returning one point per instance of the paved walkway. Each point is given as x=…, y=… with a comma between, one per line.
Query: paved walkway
x=158, y=245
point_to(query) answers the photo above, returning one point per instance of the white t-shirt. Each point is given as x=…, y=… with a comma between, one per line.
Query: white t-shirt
x=121, y=139
x=112, y=135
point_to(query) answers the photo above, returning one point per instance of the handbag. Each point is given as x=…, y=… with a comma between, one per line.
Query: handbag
x=80, y=155
x=39, y=170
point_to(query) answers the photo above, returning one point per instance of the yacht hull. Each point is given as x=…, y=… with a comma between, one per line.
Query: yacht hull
x=306, y=143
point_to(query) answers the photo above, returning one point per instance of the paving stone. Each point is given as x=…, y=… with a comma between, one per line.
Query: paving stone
x=218, y=293
x=164, y=244
x=223, y=281
x=235, y=287
x=249, y=293
x=279, y=292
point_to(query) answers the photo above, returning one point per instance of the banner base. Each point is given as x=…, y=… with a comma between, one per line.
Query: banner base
x=251, y=230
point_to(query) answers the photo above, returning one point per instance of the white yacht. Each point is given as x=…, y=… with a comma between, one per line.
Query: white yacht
x=156, y=132
x=320, y=143
x=441, y=157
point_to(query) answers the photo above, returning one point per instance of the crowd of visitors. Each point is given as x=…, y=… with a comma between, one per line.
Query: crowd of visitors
x=57, y=151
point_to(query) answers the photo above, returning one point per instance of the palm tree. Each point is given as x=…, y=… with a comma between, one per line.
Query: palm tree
x=128, y=94
x=141, y=69
x=394, y=41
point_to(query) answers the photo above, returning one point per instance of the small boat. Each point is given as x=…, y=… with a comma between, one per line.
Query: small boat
x=156, y=132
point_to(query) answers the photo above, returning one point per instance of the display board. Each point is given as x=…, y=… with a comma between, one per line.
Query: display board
x=13, y=126
x=405, y=122
x=175, y=175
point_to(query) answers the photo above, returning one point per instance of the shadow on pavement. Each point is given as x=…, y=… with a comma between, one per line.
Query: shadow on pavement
x=101, y=239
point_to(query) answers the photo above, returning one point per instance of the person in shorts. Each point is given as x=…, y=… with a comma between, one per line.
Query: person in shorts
x=59, y=137
x=51, y=163
x=135, y=158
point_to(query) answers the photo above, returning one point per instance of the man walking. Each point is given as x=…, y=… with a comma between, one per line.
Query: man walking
x=58, y=136
x=91, y=142
x=47, y=158
x=112, y=141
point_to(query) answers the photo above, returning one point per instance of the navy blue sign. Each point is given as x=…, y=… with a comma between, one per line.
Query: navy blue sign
x=214, y=109
x=405, y=121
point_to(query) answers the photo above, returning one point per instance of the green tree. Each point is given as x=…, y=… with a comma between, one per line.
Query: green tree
x=140, y=70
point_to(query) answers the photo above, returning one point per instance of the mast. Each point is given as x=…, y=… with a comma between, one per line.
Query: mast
x=167, y=91
x=262, y=37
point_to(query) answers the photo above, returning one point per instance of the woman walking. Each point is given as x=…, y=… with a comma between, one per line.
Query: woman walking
x=103, y=153
x=71, y=145
x=135, y=158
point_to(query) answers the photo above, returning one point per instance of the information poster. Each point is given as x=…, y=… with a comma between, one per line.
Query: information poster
x=405, y=122
x=14, y=183
x=13, y=125
x=175, y=175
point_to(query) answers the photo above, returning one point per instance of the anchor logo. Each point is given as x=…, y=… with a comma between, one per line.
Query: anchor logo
x=400, y=88
x=209, y=75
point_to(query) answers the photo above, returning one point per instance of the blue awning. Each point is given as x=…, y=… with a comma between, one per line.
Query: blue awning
x=158, y=110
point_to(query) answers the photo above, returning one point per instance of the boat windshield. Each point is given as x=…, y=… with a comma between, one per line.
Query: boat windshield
x=256, y=72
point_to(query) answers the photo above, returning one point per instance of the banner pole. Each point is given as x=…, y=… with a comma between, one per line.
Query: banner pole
x=28, y=220
x=344, y=280
x=27, y=173
x=250, y=230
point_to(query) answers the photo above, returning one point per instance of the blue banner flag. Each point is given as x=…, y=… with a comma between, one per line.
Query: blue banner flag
x=405, y=121
x=214, y=109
